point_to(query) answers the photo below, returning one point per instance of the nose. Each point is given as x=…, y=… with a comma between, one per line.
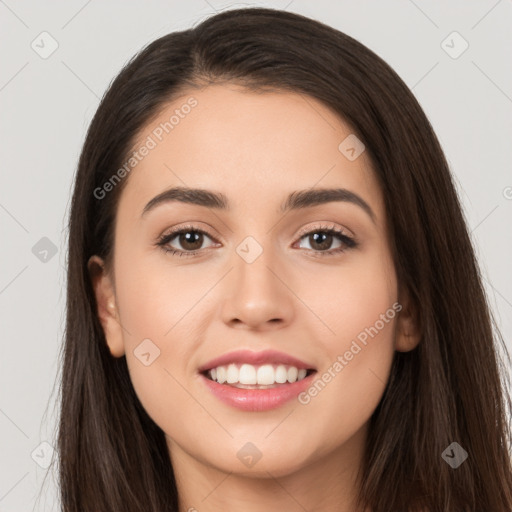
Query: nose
x=258, y=295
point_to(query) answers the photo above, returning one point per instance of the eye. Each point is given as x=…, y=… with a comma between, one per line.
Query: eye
x=320, y=239
x=190, y=238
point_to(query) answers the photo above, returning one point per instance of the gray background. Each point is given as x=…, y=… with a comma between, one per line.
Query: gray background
x=46, y=105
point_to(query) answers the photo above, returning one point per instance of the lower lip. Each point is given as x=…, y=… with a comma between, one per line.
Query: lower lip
x=257, y=400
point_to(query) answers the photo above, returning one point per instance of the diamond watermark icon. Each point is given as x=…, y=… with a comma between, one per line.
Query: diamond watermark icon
x=44, y=45
x=454, y=45
x=146, y=352
x=351, y=147
x=42, y=455
x=249, y=454
x=44, y=250
x=454, y=455
x=249, y=249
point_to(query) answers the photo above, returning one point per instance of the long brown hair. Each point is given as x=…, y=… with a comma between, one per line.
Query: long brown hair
x=450, y=388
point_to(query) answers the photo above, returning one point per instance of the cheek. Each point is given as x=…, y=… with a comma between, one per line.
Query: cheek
x=155, y=298
x=353, y=296
x=160, y=307
x=360, y=308
x=348, y=390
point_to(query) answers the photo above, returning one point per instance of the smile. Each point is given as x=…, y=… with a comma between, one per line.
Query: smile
x=256, y=381
x=250, y=376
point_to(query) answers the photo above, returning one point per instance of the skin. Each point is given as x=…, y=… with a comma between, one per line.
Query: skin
x=255, y=149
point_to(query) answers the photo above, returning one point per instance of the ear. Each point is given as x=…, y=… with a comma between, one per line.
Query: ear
x=408, y=332
x=107, y=307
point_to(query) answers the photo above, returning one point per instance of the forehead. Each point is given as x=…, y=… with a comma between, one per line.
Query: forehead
x=255, y=148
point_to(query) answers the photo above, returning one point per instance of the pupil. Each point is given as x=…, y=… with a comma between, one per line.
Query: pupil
x=324, y=237
x=187, y=239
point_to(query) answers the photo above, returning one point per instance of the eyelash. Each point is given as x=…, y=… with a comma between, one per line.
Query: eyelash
x=349, y=242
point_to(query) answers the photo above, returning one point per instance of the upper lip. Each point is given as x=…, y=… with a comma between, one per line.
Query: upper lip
x=255, y=358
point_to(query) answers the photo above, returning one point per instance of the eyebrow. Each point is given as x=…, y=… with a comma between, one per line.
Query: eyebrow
x=297, y=200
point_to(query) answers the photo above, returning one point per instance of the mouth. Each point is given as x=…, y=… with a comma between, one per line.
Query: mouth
x=248, y=376
x=256, y=381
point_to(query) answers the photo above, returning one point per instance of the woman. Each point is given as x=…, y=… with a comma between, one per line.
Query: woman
x=273, y=301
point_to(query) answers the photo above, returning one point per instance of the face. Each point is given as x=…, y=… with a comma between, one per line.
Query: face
x=314, y=281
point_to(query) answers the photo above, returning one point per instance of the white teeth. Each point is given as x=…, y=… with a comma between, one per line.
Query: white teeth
x=292, y=374
x=281, y=374
x=221, y=374
x=264, y=375
x=247, y=374
x=232, y=374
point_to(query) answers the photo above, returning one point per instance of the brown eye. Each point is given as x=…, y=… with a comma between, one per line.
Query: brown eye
x=321, y=240
x=190, y=240
x=184, y=242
